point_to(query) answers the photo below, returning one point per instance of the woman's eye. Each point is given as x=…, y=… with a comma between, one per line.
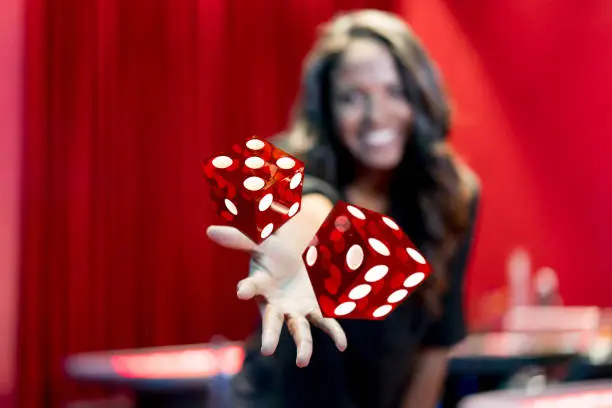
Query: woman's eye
x=350, y=97
x=396, y=91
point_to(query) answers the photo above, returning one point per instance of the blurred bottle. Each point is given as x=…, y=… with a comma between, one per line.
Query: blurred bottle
x=518, y=276
x=546, y=287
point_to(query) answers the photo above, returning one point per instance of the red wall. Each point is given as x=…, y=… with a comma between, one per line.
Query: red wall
x=532, y=84
x=10, y=137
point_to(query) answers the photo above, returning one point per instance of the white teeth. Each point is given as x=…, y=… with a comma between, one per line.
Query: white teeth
x=379, y=137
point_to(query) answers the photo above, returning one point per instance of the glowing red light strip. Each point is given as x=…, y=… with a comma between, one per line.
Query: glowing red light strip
x=201, y=363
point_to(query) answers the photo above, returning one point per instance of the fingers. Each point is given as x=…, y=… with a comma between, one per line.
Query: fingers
x=300, y=330
x=331, y=327
x=252, y=286
x=272, y=323
x=230, y=237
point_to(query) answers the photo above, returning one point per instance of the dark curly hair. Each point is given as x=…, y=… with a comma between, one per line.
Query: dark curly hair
x=431, y=186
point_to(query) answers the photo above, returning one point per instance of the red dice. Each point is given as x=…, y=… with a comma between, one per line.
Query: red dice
x=361, y=264
x=257, y=187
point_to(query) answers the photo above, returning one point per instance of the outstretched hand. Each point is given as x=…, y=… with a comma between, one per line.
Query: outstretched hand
x=282, y=281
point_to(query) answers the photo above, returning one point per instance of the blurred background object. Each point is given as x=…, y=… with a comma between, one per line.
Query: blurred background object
x=114, y=105
x=519, y=278
x=546, y=286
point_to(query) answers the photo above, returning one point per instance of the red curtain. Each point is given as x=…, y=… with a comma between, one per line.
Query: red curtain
x=123, y=101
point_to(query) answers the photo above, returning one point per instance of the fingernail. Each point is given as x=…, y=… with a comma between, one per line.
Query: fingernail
x=301, y=360
x=266, y=350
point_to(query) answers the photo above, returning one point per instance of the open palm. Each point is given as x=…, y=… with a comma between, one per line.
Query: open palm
x=280, y=279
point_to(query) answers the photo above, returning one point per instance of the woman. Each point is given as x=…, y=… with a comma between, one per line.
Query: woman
x=371, y=127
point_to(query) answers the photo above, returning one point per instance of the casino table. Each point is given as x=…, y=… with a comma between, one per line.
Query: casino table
x=490, y=361
x=588, y=394
x=505, y=352
x=199, y=375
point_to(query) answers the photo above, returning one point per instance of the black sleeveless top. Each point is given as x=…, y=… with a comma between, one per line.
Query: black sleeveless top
x=374, y=370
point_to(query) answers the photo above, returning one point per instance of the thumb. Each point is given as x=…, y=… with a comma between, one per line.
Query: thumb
x=230, y=237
